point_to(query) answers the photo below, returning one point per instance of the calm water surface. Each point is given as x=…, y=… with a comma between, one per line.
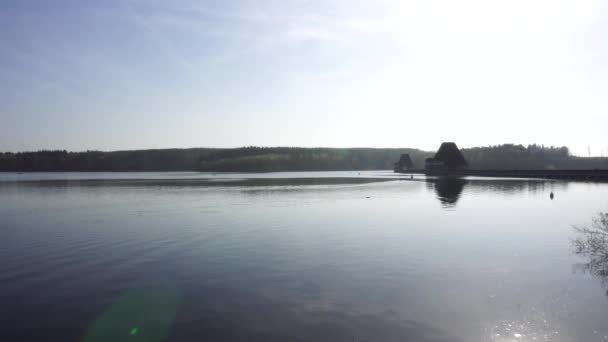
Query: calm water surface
x=339, y=256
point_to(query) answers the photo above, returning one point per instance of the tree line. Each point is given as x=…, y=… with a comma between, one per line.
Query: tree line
x=138, y=160
x=531, y=157
x=265, y=159
x=249, y=159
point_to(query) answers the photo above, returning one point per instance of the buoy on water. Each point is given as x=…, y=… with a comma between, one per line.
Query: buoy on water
x=551, y=195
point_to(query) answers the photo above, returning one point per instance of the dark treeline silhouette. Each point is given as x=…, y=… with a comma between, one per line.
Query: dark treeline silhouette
x=262, y=159
x=532, y=157
x=246, y=159
x=305, y=159
x=140, y=160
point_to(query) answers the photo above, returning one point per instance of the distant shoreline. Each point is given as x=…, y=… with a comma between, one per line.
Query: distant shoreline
x=587, y=175
x=284, y=159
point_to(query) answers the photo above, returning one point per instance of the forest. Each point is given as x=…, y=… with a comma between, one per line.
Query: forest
x=137, y=160
x=268, y=159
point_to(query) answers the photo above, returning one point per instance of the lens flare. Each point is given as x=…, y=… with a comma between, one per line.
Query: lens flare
x=146, y=314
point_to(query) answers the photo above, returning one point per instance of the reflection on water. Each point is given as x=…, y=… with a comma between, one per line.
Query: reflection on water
x=296, y=257
x=533, y=326
x=448, y=190
x=591, y=242
x=200, y=182
x=232, y=314
x=515, y=186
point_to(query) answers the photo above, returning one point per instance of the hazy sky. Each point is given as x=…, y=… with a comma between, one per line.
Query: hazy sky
x=109, y=75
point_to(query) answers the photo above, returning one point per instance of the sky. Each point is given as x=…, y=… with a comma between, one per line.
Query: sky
x=115, y=75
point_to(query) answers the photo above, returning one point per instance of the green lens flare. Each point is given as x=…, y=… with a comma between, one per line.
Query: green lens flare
x=146, y=314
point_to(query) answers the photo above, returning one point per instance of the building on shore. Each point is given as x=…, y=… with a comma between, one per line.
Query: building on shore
x=433, y=164
x=448, y=157
x=405, y=163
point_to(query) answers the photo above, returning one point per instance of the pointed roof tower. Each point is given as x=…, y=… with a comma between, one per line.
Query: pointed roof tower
x=451, y=156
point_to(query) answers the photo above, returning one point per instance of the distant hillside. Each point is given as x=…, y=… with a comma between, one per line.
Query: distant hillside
x=140, y=160
x=247, y=159
x=307, y=159
x=531, y=157
x=264, y=159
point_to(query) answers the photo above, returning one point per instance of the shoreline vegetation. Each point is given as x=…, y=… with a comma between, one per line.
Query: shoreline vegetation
x=269, y=159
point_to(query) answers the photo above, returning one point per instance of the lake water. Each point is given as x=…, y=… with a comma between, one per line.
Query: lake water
x=337, y=256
